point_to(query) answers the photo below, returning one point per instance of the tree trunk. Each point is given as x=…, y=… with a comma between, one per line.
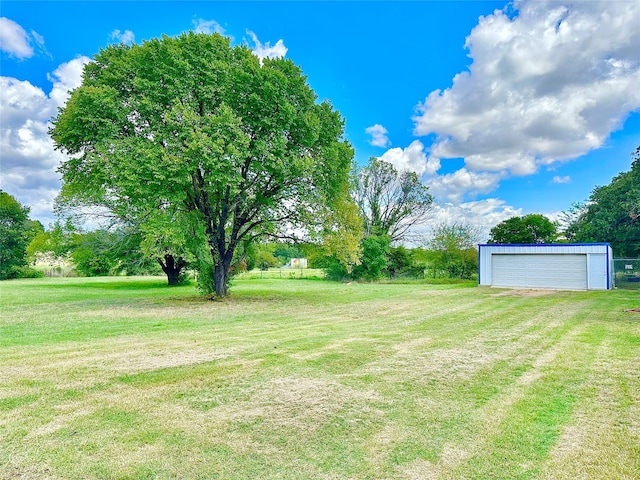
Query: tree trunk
x=220, y=276
x=172, y=268
x=221, y=273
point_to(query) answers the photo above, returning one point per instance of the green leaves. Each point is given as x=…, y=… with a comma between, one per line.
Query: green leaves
x=533, y=228
x=16, y=231
x=612, y=214
x=192, y=123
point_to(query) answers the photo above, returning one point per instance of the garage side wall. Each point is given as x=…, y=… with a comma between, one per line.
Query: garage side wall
x=597, y=261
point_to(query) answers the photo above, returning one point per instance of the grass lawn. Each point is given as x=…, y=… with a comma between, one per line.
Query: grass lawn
x=124, y=378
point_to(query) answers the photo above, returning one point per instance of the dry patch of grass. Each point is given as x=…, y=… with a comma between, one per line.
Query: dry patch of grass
x=526, y=292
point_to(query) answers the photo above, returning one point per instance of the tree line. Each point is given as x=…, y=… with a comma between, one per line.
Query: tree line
x=199, y=152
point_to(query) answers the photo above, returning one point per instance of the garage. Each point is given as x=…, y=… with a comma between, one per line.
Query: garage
x=558, y=267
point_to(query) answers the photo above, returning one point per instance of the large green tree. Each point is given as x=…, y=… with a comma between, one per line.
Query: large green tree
x=390, y=202
x=612, y=213
x=194, y=125
x=532, y=228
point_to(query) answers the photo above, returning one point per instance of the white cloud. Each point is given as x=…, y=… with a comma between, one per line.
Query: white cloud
x=566, y=179
x=29, y=161
x=482, y=215
x=65, y=78
x=39, y=39
x=207, y=26
x=412, y=158
x=263, y=51
x=379, y=136
x=16, y=42
x=455, y=187
x=452, y=187
x=123, y=37
x=548, y=84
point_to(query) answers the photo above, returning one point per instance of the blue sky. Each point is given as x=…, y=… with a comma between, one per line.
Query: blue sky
x=502, y=108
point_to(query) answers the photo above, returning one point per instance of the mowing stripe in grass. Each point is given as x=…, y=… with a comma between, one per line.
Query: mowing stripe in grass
x=304, y=379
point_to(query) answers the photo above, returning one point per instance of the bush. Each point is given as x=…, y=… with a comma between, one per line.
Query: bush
x=334, y=270
x=374, y=258
x=23, y=272
x=204, y=277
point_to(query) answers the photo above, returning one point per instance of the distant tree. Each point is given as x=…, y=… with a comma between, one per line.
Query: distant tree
x=419, y=259
x=16, y=232
x=390, y=202
x=612, y=213
x=341, y=236
x=454, y=251
x=172, y=241
x=161, y=235
x=91, y=253
x=533, y=228
x=375, y=249
x=398, y=261
x=55, y=241
x=192, y=124
x=262, y=256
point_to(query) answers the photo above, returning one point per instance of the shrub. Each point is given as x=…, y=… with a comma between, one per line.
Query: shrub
x=23, y=272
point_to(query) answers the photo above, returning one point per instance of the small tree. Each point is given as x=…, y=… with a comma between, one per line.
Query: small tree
x=92, y=253
x=398, y=261
x=375, y=249
x=341, y=239
x=172, y=241
x=16, y=232
x=533, y=228
x=454, y=252
x=262, y=256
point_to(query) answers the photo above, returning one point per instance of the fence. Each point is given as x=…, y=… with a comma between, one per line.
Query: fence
x=627, y=273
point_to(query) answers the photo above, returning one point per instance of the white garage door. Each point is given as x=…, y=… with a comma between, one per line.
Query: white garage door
x=563, y=271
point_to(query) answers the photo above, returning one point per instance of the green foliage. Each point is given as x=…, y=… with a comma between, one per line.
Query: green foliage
x=239, y=148
x=57, y=241
x=419, y=258
x=375, y=249
x=341, y=237
x=285, y=252
x=171, y=240
x=262, y=256
x=22, y=271
x=390, y=202
x=530, y=229
x=204, y=277
x=453, y=251
x=334, y=269
x=91, y=254
x=16, y=232
x=398, y=261
x=612, y=214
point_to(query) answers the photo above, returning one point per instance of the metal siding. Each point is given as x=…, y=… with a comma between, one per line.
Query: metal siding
x=486, y=251
x=542, y=248
x=566, y=271
x=597, y=267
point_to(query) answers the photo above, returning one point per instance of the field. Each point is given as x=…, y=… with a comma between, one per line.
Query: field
x=125, y=378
